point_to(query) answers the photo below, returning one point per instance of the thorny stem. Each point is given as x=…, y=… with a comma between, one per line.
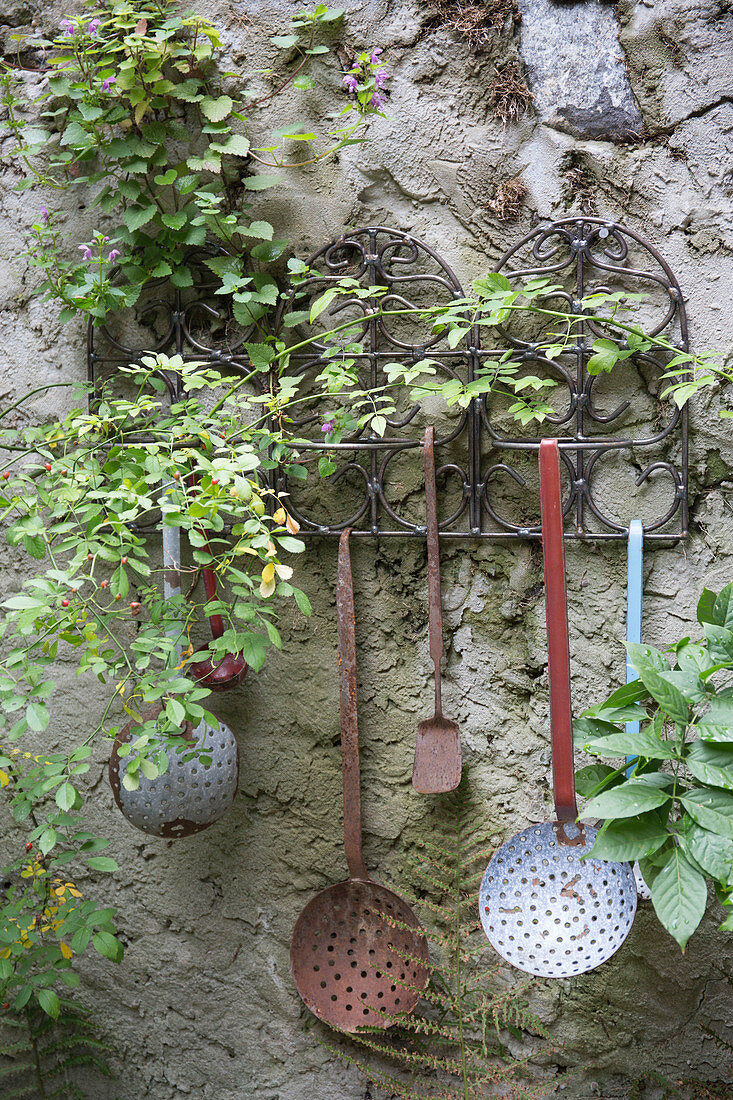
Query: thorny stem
x=36, y=1056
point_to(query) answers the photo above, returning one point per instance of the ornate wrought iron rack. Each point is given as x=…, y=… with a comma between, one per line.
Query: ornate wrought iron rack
x=624, y=450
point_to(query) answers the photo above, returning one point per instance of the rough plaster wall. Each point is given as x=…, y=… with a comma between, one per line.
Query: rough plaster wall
x=203, y=1005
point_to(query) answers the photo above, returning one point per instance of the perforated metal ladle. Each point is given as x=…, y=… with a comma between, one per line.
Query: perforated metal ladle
x=358, y=952
x=191, y=795
x=544, y=909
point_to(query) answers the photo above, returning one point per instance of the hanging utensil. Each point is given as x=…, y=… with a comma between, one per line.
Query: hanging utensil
x=436, y=767
x=190, y=795
x=634, y=607
x=358, y=953
x=545, y=909
x=231, y=670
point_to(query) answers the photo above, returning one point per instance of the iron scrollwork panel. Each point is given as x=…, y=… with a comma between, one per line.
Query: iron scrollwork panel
x=624, y=451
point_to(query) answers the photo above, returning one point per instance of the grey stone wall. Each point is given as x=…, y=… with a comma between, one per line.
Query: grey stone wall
x=631, y=118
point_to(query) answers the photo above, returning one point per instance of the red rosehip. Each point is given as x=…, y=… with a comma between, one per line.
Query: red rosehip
x=47, y=465
x=28, y=846
x=124, y=561
x=215, y=481
x=118, y=596
x=134, y=607
x=64, y=603
x=5, y=1004
x=104, y=584
x=64, y=473
x=75, y=590
x=6, y=475
x=90, y=557
x=176, y=476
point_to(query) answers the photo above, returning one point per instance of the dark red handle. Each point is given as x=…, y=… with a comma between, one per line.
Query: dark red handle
x=435, y=610
x=215, y=621
x=349, y=722
x=558, y=646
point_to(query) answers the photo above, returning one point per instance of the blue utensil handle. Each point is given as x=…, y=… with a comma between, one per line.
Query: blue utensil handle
x=634, y=602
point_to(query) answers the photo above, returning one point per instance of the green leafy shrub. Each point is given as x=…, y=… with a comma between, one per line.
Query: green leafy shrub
x=674, y=812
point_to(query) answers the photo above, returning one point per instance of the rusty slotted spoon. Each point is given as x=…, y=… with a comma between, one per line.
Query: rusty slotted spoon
x=436, y=767
x=351, y=965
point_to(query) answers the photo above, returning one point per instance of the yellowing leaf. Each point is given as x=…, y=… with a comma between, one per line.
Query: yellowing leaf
x=268, y=581
x=283, y=571
x=65, y=949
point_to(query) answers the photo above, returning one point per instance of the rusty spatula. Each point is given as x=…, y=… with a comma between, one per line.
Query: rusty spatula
x=437, y=765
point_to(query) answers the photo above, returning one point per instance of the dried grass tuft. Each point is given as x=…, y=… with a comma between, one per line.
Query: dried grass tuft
x=478, y=23
x=506, y=202
x=510, y=96
x=581, y=186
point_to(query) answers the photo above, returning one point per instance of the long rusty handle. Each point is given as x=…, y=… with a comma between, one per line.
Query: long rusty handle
x=558, y=646
x=435, y=611
x=349, y=723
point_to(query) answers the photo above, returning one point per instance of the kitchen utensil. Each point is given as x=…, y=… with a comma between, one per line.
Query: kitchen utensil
x=358, y=953
x=634, y=603
x=634, y=607
x=437, y=764
x=190, y=795
x=545, y=909
x=231, y=670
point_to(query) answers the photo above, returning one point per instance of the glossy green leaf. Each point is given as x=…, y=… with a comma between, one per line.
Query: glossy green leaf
x=644, y=743
x=712, y=809
x=706, y=606
x=102, y=863
x=679, y=897
x=628, y=800
x=108, y=945
x=714, y=853
x=65, y=796
x=630, y=839
x=667, y=695
x=723, y=608
x=720, y=642
x=588, y=778
x=49, y=1002
x=712, y=764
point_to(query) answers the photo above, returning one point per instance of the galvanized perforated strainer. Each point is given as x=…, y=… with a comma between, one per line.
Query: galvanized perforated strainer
x=191, y=795
x=352, y=963
x=544, y=909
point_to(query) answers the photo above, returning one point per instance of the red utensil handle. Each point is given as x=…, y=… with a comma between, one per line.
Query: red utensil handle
x=435, y=610
x=558, y=646
x=349, y=722
x=215, y=621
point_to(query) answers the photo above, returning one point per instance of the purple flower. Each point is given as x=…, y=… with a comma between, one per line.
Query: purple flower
x=375, y=55
x=44, y=215
x=328, y=426
x=351, y=83
x=107, y=84
x=86, y=252
x=378, y=100
x=94, y=27
x=68, y=28
x=381, y=76
x=114, y=254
